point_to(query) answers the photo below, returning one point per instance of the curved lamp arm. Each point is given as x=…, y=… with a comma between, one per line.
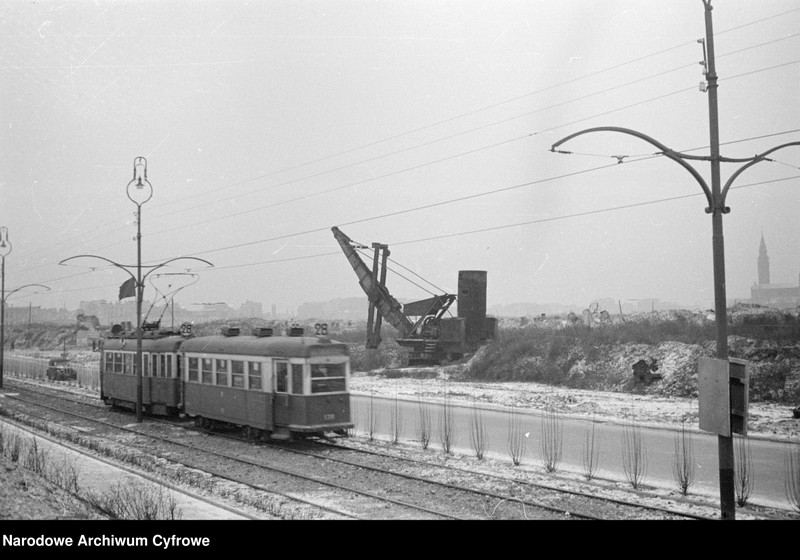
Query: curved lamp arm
x=9, y=294
x=754, y=160
x=109, y=261
x=672, y=154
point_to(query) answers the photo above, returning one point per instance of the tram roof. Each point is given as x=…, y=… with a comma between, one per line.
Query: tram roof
x=149, y=344
x=288, y=346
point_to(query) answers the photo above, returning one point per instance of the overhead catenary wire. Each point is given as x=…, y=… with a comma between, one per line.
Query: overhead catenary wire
x=440, y=160
x=445, y=236
x=437, y=161
x=481, y=109
x=777, y=66
x=418, y=208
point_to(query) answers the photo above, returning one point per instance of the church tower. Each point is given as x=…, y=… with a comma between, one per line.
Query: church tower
x=763, y=263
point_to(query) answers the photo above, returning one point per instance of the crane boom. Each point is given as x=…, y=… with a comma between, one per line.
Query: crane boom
x=378, y=295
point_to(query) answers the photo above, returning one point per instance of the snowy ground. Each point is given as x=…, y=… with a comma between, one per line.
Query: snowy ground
x=764, y=419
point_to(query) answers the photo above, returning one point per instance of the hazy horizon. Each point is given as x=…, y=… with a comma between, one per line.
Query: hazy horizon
x=424, y=125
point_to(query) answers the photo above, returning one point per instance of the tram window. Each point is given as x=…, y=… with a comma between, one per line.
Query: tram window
x=237, y=374
x=297, y=379
x=127, y=364
x=178, y=366
x=327, y=378
x=222, y=372
x=281, y=377
x=207, y=374
x=165, y=363
x=117, y=362
x=146, y=364
x=254, y=376
x=194, y=369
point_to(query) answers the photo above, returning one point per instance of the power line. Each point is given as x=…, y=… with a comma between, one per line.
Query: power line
x=462, y=133
x=506, y=120
x=461, y=154
x=444, y=236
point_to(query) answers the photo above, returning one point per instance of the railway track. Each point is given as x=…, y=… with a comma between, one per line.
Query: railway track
x=255, y=482
x=254, y=474
x=467, y=494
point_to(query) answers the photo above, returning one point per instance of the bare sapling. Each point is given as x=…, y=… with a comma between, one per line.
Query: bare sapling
x=591, y=451
x=683, y=467
x=743, y=480
x=396, y=420
x=447, y=433
x=634, y=454
x=478, y=435
x=552, y=436
x=372, y=420
x=793, y=475
x=516, y=442
x=424, y=424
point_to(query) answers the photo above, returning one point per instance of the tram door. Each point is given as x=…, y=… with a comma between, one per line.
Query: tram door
x=280, y=400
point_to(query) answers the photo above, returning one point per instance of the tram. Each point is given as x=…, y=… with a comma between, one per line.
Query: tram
x=284, y=386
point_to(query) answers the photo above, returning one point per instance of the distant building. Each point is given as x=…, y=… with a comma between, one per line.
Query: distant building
x=346, y=309
x=763, y=263
x=779, y=296
x=251, y=309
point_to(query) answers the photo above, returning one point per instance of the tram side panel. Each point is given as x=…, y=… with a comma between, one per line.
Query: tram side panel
x=209, y=391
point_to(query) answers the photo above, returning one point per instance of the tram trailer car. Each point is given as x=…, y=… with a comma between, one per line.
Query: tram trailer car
x=282, y=386
x=162, y=391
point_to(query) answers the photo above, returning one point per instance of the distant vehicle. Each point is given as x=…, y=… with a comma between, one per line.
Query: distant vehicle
x=58, y=370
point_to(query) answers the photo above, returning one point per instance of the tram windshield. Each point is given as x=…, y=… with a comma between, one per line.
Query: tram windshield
x=328, y=378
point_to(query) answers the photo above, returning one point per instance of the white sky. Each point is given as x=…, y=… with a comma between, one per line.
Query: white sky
x=265, y=123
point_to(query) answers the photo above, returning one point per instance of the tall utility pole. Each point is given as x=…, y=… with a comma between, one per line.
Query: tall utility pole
x=727, y=496
x=715, y=196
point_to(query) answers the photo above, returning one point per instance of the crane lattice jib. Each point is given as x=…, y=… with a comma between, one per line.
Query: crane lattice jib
x=378, y=295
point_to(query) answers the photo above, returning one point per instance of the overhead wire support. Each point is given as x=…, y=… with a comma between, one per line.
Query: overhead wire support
x=716, y=199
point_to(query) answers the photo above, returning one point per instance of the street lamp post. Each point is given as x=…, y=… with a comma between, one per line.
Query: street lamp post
x=139, y=191
x=716, y=207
